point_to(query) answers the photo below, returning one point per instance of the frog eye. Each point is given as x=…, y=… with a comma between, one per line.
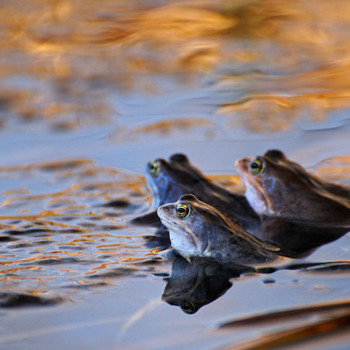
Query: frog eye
x=187, y=307
x=182, y=210
x=257, y=166
x=154, y=167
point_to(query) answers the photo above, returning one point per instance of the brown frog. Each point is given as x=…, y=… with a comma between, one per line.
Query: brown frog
x=276, y=186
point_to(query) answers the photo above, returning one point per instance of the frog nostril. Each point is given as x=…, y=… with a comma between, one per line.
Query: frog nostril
x=243, y=163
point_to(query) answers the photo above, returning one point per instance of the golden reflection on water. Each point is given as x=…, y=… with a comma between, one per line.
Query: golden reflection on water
x=285, y=59
x=78, y=234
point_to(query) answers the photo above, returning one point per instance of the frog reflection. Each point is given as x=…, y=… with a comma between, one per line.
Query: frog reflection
x=276, y=186
x=298, y=238
x=199, y=282
x=198, y=229
x=170, y=180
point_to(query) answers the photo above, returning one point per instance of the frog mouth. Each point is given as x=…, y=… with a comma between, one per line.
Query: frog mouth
x=254, y=187
x=182, y=232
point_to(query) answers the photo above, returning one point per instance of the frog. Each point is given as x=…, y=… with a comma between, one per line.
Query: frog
x=279, y=187
x=168, y=180
x=197, y=229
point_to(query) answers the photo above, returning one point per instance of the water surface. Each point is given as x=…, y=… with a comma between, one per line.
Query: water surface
x=89, y=93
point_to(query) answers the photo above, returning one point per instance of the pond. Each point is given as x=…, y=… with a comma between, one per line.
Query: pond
x=92, y=91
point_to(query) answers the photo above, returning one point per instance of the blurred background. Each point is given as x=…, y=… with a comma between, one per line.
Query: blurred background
x=135, y=80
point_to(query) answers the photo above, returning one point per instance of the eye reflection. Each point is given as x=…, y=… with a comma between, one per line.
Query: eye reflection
x=187, y=307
